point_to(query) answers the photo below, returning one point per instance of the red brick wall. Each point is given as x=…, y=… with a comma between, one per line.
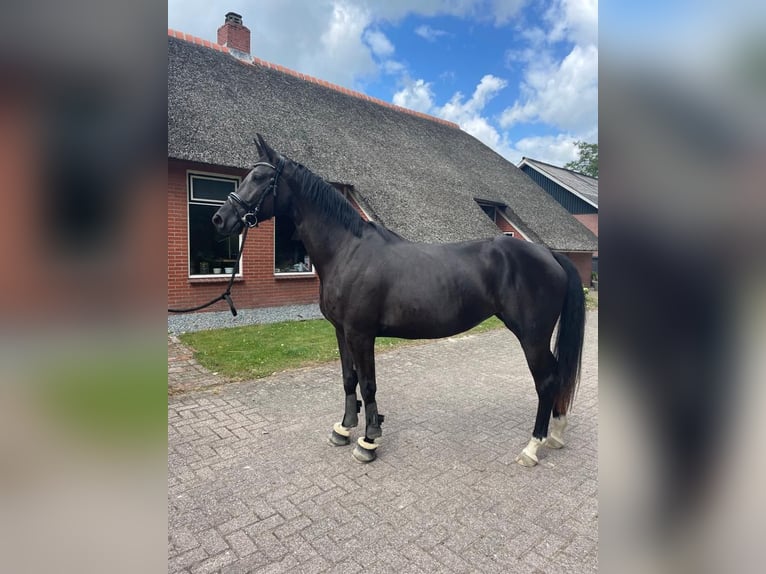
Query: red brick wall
x=590, y=220
x=505, y=226
x=583, y=262
x=258, y=286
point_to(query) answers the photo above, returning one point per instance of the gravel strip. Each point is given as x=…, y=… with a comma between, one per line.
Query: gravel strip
x=190, y=322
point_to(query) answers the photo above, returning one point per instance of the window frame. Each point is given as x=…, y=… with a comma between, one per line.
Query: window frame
x=487, y=205
x=194, y=173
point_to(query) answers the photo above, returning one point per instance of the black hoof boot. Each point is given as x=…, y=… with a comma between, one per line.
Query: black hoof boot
x=364, y=451
x=339, y=435
x=374, y=420
x=353, y=406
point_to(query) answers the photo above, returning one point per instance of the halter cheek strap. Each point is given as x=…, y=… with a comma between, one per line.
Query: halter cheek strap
x=250, y=217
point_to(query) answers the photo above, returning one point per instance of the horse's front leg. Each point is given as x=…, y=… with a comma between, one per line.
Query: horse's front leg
x=362, y=348
x=341, y=431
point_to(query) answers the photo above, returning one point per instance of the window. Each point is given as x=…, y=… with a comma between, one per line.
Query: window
x=290, y=254
x=210, y=254
x=490, y=210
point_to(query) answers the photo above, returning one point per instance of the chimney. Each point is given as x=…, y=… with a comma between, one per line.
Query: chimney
x=234, y=35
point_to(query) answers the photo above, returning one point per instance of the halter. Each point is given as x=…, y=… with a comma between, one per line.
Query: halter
x=250, y=218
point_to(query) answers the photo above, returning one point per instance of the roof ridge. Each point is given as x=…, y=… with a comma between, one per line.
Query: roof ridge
x=560, y=167
x=259, y=62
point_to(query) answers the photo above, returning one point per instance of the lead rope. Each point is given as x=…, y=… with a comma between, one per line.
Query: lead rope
x=226, y=295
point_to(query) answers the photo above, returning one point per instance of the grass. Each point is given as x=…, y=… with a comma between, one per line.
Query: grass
x=258, y=351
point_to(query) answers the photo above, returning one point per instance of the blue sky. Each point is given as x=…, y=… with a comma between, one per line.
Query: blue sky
x=521, y=76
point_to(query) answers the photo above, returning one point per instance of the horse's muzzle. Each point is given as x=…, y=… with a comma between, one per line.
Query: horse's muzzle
x=226, y=222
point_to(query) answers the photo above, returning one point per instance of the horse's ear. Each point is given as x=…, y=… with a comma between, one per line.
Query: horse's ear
x=258, y=146
x=264, y=148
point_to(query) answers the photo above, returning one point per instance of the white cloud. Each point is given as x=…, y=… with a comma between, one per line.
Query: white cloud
x=497, y=11
x=561, y=94
x=574, y=20
x=380, y=44
x=342, y=54
x=416, y=96
x=427, y=32
x=457, y=110
x=555, y=149
x=505, y=10
x=468, y=114
x=393, y=67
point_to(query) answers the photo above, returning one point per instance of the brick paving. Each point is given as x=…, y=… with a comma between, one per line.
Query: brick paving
x=184, y=373
x=253, y=485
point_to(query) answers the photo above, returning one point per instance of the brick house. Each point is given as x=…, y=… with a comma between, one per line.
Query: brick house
x=421, y=176
x=576, y=192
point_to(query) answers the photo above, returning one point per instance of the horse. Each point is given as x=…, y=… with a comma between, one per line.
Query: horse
x=374, y=283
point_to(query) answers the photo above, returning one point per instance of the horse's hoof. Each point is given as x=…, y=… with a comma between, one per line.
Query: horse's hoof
x=364, y=455
x=336, y=439
x=526, y=460
x=365, y=451
x=553, y=442
x=339, y=435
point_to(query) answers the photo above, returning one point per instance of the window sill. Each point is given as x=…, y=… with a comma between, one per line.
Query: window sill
x=303, y=275
x=216, y=279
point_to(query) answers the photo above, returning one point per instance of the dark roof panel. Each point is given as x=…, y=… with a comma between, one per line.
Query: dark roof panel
x=583, y=185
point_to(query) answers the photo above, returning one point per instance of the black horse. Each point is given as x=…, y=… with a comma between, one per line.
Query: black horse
x=375, y=283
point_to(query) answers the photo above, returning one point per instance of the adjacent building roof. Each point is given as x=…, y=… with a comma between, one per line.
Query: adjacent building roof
x=583, y=186
x=416, y=174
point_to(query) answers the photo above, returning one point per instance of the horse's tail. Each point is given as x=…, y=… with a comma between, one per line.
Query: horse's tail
x=569, y=341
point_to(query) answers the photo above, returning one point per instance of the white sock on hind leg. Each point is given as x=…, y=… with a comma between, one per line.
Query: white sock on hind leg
x=556, y=431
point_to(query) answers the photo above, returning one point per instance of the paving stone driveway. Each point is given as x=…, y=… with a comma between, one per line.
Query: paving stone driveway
x=253, y=485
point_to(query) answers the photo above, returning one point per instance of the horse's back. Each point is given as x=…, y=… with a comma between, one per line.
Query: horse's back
x=428, y=290
x=398, y=288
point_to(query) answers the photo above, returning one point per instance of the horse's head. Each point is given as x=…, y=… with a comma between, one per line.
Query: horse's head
x=255, y=198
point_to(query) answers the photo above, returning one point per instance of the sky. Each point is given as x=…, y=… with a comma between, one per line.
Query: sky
x=519, y=75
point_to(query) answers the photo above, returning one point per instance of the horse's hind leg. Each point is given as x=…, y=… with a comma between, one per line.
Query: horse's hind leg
x=341, y=431
x=543, y=366
x=558, y=424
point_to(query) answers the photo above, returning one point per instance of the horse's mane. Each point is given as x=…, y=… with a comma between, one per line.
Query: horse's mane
x=328, y=199
x=385, y=232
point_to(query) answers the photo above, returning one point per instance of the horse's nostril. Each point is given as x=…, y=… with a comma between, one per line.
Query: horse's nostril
x=217, y=220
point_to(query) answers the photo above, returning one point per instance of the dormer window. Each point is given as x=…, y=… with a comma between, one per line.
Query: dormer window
x=497, y=212
x=490, y=208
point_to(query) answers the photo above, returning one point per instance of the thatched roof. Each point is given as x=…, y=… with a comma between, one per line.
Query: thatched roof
x=417, y=175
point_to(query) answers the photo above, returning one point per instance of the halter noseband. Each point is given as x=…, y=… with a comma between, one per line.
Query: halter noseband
x=250, y=218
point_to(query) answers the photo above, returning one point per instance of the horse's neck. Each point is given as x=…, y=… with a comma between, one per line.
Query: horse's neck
x=325, y=238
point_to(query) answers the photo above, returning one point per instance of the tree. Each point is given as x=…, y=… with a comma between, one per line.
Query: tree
x=587, y=162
